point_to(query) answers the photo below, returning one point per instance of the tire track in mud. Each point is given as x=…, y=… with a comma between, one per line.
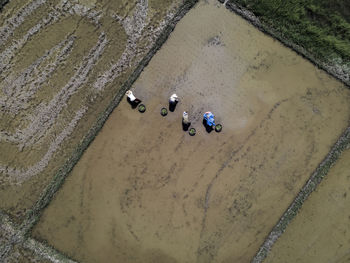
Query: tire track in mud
x=133, y=27
x=8, y=54
x=46, y=115
x=223, y=166
x=20, y=175
x=155, y=40
x=19, y=90
x=15, y=21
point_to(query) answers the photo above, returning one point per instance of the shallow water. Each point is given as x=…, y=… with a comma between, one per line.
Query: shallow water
x=62, y=62
x=320, y=231
x=145, y=191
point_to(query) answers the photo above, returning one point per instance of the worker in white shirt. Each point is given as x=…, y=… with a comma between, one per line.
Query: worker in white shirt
x=185, y=118
x=132, y=99
x=173, y=100
x=185, y=121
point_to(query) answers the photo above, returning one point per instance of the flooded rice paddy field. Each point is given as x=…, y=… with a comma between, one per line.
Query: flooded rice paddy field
x=145, y=191
x=61, y=64
x=320, y=232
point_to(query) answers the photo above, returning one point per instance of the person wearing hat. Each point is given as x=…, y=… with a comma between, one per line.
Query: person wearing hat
x=132, y=99
x=173, y=100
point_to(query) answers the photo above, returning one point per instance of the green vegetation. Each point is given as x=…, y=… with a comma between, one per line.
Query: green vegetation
x=3, y=3
x=218, y=128
x=321, y=27
x=47, y=195
x=142, y=108
x=192, y=131
x=163, y=111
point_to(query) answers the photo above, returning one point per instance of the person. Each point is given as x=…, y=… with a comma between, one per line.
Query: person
x=173, y=100
x=208, y=117
x=132, y=99
x=185, y=118
x=185, y=122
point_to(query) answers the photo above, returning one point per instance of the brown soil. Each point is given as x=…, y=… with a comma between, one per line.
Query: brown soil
x=62, y=62
x=320, y=232
x=146, y=191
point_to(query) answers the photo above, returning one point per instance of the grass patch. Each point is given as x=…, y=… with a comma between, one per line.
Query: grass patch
x=319, y=28
x=317, y=25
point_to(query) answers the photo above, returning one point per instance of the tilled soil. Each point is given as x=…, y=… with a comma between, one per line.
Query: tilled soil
x=320, y=232
x=146, y=191
x=61, y=64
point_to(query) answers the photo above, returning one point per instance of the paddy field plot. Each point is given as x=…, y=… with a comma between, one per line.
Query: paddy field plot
x=320, y=232
x=61, y=64
x=146, y=191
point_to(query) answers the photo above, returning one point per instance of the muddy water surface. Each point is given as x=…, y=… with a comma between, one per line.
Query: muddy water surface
x=61, y=64
x=145, y=191
x=320, y=232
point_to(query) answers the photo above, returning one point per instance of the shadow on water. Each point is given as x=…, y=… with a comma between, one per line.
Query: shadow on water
x=134, y=103
x=208, y=128
x=185, y=126
x=172, y=106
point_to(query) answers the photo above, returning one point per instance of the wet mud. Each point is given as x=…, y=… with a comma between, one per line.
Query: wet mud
x=61, y=64
x=320, y=232
x=146, y=191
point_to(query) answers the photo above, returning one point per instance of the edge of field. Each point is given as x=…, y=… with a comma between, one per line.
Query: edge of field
x=322, y=170
x=20, y=234
x=310, y=186
x=342, y=75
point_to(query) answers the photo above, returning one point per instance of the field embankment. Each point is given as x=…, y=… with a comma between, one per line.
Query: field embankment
x=320, y=231
x=63, y=67
x=146, y=191
x=319, y=30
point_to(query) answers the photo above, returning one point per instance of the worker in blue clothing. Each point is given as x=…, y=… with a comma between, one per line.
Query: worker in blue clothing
x=209, y=119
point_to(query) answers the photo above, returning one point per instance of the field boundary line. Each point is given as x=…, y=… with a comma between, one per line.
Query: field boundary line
x=333, y=155
x=254, y=20
x=315, y=179
x=21, y=234
x=14, y=235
